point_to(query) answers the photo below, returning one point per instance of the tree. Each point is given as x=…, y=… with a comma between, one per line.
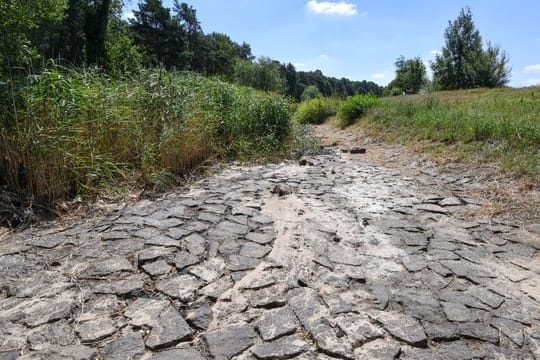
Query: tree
x=263, y=75
x=410, y=76
x=464, y=63
x=18, y=19
x=311, y=92
x=161, y=38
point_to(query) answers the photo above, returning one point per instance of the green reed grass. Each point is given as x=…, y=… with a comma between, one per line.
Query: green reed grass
x=66, y=133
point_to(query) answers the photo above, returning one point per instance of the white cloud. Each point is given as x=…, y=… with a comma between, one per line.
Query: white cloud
x=532, y=68
x=378, y=76
x=299, y=65
x=332, y=8
x=323, y=56
x=531, y=82
x=435, y=52
x=128, y=16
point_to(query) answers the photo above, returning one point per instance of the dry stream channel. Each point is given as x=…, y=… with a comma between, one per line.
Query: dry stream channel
x=336, y=258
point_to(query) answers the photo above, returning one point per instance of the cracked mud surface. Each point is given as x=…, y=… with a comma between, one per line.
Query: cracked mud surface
x=338, y=258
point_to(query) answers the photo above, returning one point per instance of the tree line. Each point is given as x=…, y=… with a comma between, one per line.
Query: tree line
x=464, y=63
x=83, y=33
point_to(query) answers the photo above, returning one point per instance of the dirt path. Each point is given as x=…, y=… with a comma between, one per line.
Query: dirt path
x=339, y=257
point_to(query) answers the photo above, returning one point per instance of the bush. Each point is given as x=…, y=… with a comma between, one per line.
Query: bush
x=316, y=111
x=356, y=106
x=66, y=133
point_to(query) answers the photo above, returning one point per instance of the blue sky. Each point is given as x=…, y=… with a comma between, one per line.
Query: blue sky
x=360, y=40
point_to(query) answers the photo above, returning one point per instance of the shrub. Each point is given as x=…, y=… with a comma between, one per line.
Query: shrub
x=356, y=106
x=316, y=111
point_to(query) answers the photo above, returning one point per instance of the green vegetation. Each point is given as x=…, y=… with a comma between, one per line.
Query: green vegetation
x=354, y=107
x=316, y=111
x=464, y=64
x=500, y=124
x=65, y=133
x=410, y=77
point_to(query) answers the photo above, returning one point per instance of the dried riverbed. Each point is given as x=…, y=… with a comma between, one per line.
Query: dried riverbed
x=335, y=258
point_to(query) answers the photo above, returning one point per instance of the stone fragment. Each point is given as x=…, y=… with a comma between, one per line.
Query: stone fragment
x=14, y=336
x=200, y=318
x=359, y=329
x=230, y=341
x=534, y=228
x=254, y=250
x=43, y=284
x=269, y=297
x=195, y=244
x=486, y=296
x=457, y=312
x=337, y=304
x=95, y=330
x=402, y=327
x=128, y=346
x=478, y=330
x=205, y=273
x=210, y=217
x=277, y=323
x=510, y=328
x=229, y=227
x=162, y=240
x=183, y=259
x=182, y=353
x=52, y=241
x=169, y=330
x=181, y=287
x=283, y=348
x=178, y=233
x=281, y=190
x=152, y=254
x=328, y=341
x=381, y=349
x=357, y=150
x=126, y=286
x=144, y=312
x=264, y=280
x=261, y=238
x=414, y=263
x=43, y=311
x=450, y=201
x=58, y=333
x=71, y=352
x=339, y=254
x=214, y=290
x=381, y=294
x=240, y=263
x=157, y=268
x=432, y=208
x=229, y=247
x=106, y=267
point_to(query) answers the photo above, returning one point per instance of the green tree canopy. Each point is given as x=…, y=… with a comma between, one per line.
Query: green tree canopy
x=464, y=63
x=410, y=76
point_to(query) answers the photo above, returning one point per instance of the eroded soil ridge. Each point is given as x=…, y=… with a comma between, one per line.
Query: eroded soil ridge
x=334, y=259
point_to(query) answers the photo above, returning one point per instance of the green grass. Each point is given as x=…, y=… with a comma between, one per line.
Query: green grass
x=316, y=111
x=500, y=124
x=67, y=133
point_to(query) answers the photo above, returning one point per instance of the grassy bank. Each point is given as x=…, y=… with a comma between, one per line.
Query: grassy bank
x=500, y=124
x=67, y=133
